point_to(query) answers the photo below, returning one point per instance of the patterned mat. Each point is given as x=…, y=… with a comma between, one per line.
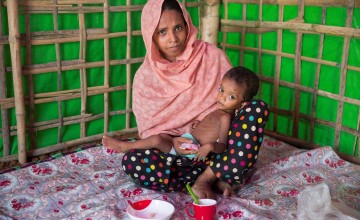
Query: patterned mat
x=90, y=184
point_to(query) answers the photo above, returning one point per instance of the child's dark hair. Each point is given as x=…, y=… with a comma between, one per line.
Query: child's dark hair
x=172, y=5
x=244, y=77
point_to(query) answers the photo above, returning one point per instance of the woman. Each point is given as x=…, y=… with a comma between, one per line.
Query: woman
x=179, y=78
x=173, y=89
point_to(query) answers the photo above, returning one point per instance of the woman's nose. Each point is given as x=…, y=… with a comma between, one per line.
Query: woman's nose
x=173, y=37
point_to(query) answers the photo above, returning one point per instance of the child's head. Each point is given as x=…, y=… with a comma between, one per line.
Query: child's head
x=239, y=85
x=246, y=79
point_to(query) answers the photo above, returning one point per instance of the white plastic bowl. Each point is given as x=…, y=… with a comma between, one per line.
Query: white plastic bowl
x=150, y=209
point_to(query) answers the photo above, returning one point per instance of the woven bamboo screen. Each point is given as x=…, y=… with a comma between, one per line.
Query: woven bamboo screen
x=84, y=87
x=69, y=77
x=306, y=53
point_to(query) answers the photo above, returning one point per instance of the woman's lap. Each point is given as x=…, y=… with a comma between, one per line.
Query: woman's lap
x=165, y=172
x=161, y=171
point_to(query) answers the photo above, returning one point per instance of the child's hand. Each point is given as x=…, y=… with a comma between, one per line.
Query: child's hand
x=178, y=141
x=203, y=151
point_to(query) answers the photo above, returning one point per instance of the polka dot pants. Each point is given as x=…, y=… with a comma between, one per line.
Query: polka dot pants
x=244, y=141
x=165, y=172
x=160, y=171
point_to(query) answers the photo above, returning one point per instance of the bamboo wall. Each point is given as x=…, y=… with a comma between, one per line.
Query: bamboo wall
x=80, y=36
x=83, y=88
x=304, y=111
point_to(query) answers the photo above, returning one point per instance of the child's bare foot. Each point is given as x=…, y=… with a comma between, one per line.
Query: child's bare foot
x=114, y=144
x=224, y=188
x=203, y=184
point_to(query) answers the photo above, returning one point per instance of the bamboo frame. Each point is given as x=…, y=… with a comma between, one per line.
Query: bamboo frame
x=278, y=66
x=4, y=112
x=128, y=67
x=298, y=26
x=210, y=23
x=317, y=77
x=209, y=12
x=14, y=41
x=327, y=3
x=106, y=67
x=30, y=83
x=297, y=70
x=58, y=72
x=26, y=130
x=260, y=72
x=343, y=80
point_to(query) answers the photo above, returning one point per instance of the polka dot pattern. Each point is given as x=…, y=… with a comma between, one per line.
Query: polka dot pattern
x=245, y=138
x=165, y=172
x=160, y=171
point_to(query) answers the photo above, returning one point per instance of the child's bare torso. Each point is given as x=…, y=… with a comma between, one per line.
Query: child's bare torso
x=209, y=129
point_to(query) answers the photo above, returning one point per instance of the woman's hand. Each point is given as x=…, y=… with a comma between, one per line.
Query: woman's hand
x=177, y=141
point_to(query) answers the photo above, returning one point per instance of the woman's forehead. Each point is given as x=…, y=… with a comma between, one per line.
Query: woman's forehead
x=170, y=18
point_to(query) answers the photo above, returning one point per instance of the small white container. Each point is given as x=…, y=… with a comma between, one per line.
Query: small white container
x=150, y=209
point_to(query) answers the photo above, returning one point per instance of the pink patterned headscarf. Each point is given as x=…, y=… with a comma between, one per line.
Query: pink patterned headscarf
x=168, y=96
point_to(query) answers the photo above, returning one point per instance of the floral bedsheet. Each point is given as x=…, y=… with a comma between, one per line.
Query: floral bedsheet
x=90, y=184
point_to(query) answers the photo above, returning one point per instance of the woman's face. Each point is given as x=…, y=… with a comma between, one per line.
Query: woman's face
x=170, y=34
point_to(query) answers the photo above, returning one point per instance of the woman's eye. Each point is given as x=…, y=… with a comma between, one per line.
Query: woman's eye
x=221, y=89
x=179, y=28
x=162, y=32
x=231, y=97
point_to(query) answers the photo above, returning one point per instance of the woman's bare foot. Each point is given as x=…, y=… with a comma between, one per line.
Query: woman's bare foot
x=224, y=188
x=114, y=144
x=202, y=187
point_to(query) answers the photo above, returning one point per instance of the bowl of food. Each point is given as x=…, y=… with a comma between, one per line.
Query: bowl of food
x=150, y=209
